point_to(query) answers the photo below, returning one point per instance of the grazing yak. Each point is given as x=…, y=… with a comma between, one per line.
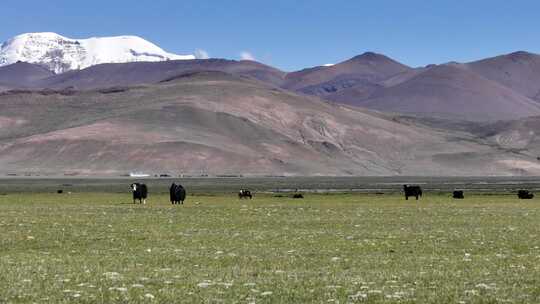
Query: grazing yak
x=415, y=191
x=244, y=194
x=458, y=194
x=140, y=192
x=177, y=193
x=525, y=194
x=298, y=195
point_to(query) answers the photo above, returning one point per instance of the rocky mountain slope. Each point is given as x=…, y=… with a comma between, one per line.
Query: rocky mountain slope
x=452, y=91
x=136, y=73
x=218, y=123
x=22, y=74
x=363, y=70
x=519, y=71
x=501, y=88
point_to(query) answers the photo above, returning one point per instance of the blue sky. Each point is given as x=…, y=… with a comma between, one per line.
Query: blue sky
x=295, y=34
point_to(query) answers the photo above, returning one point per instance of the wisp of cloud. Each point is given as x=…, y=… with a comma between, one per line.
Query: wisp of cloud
x=245, y=55
x=201, y=54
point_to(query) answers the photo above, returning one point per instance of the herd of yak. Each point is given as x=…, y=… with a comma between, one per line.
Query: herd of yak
x=178, y=193
x=416, y=191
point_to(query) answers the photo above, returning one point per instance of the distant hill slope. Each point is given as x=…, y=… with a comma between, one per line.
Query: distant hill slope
x=22, y=74
x=519, y=71
x=520, y=135
x=217, y=123
x=451, y=91
x=136, y=73
x=503, y=87
x=363, y=70
x=499, y=88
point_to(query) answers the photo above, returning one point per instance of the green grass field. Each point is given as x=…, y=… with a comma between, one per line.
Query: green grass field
x=340, y=248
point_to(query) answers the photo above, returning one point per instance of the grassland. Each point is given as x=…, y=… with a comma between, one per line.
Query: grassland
x=340, y=248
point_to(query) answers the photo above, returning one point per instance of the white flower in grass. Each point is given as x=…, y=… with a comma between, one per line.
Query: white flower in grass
x=472, y=292
x=76, y=295
x=358, y=296
x=137, y=286
x=333, y=286
x=149, y=296
x=335, y=259
x=112, y=275
x=485, y=286
x=204, y=284
x=266, y=293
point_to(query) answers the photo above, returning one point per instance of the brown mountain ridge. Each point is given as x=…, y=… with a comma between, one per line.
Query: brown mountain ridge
x=242, y=117
x=218, y=123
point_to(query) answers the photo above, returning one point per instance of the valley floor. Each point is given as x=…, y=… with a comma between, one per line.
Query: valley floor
x=97, y=247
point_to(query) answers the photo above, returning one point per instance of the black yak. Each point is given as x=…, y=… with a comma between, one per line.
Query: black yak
x=244, y=194
x=415, y=191
x=458, y=194
x=177, y=194
x=140, y=192
x=525, y=194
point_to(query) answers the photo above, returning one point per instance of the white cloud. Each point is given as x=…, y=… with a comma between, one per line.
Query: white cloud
x=201, y=54
x=328, y=64
x=245, y=55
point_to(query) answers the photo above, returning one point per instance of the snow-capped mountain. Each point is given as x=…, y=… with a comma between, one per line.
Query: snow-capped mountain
x=61, y=54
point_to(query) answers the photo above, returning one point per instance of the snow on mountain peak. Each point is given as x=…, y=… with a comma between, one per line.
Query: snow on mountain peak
x=61, y=54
